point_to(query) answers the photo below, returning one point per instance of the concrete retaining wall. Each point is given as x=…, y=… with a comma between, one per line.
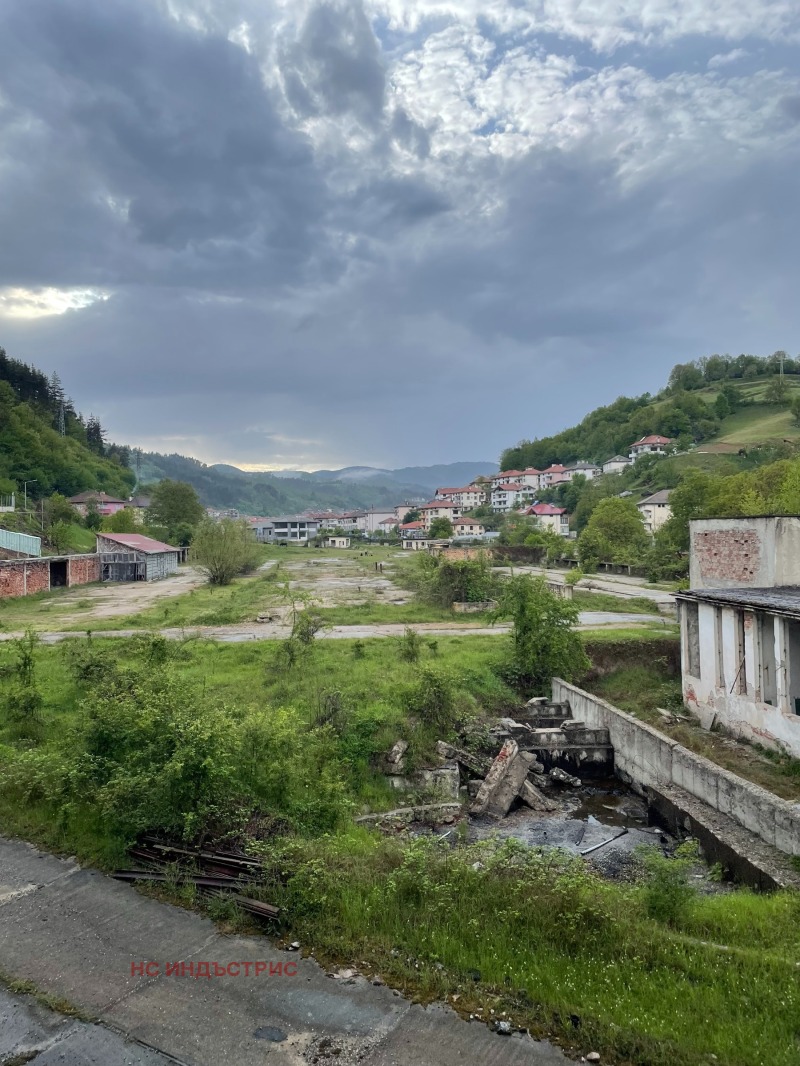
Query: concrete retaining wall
x=649, y=759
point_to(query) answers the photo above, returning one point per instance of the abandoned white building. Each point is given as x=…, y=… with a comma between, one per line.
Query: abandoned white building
x=295, y=529
x=133, y=557
x=740, y=628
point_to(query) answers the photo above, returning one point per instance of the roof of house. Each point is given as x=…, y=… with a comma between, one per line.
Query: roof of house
x=466, y=521
x=617, y=459
x=662, y=496
x=654, y=438
x=780, y=599
x=436, y=504
x=555, y=468
x=508, y=473
x=531, y=470
x=139, y=543
x=413, y=525
x=91, y=495
x=582, y=466
x=449, y=490
x=140, y=501
x=543, y=509
x=510, y=486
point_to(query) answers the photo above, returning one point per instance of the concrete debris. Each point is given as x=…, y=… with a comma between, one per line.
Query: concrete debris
x=476, y=763
x=496, y=776
x=396, y=757
x=509, y=723
x=473, y=787
x=593, y=1056
x=533, y=798
x=561, y=777
x=509, y=787
x=426, y=812
x=503, y=1028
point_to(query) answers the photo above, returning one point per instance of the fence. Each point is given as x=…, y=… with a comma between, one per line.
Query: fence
x=20, y=543
x=8, y=503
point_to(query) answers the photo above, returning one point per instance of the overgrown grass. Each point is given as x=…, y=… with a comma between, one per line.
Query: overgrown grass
x=639, y=690
x=537, y=938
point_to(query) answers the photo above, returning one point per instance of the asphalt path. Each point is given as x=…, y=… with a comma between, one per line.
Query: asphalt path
x=244, y=632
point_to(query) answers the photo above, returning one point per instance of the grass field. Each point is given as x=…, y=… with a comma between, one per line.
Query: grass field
x=646, y=971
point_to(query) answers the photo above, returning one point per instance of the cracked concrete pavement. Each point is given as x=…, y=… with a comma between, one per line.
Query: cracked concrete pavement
x=74, y=933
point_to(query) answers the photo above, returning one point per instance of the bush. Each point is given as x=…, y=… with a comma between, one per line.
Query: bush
x=224, y=549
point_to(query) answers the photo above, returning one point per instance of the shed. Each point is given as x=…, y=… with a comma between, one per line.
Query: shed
x=134, y=557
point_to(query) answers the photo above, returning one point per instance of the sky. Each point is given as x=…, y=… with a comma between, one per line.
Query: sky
x=315, y=233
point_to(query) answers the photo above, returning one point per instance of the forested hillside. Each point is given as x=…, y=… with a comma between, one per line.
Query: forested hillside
x=736, y=399
x=46, y=442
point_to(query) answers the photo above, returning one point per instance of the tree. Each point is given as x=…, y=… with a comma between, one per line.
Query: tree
x=441, y=529
x=412, y=516
x=614, y=534
x=174, y=504
x=794, y=406
x=224, y=549
x=544, y=641
x=58, y=509
x=722, y=407
x=93, y=519
x=123, y=521
x=777, y=392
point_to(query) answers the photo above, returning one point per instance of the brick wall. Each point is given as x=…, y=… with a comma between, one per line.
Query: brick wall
x=24, y=578
x=84, y=569
x=722, y=554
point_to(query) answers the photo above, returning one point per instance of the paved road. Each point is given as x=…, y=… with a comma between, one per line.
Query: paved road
x=238, y=634
x=75, y=933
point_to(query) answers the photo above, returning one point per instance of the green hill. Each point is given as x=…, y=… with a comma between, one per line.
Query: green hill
x=719, y=405
x=33, y=410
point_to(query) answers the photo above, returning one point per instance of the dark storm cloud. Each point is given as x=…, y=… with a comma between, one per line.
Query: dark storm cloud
x=335, y=66
x=345, y=273
x=148, y=149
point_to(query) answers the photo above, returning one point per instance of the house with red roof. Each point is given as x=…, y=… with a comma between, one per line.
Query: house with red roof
x=505, y=476
x=438, y=509
x=652, y=445
x=105, y=504
x=548, y=516
x=134, y=557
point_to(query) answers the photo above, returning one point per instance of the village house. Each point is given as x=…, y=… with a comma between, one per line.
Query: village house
x=655, y=510
x=508, y=497
x=616, y=464
x=374, y=516
x=337, y=542
x=438, y=509
x=295, y=529
x=402, y=509
x=556, y=474
x=106, y=505
x=530, y=477
x=470, y=496
x=134, y=557
x=387, y=526
x=652, y=445
x=740, y=628
x=589, y=470
x=467, y=527
x=412, y=531
x=505, y=476
x=549, y=516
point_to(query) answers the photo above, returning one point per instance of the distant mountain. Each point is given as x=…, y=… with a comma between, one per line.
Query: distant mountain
x=264, y=493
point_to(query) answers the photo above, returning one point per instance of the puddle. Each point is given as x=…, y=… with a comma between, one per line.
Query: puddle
x=269, y=1032
x=610, y=803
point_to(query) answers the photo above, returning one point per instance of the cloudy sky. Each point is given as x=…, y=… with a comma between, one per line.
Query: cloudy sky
x=319, y=232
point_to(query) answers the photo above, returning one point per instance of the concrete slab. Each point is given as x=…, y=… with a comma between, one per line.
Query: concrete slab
x=26, y=1025
x=94, y=1045
x=224, y=1019
x=24, y=868
x=78, y=936
x=437, y=1034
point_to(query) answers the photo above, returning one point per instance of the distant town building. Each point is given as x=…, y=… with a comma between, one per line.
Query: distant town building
x=551, y=517
x=106, y=505
x=655, y=510
x=652, y=445
x=616, y=464
x=290, y=529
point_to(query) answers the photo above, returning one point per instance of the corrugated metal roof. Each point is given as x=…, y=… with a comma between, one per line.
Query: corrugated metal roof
x=138, y=542
x=780, y=599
